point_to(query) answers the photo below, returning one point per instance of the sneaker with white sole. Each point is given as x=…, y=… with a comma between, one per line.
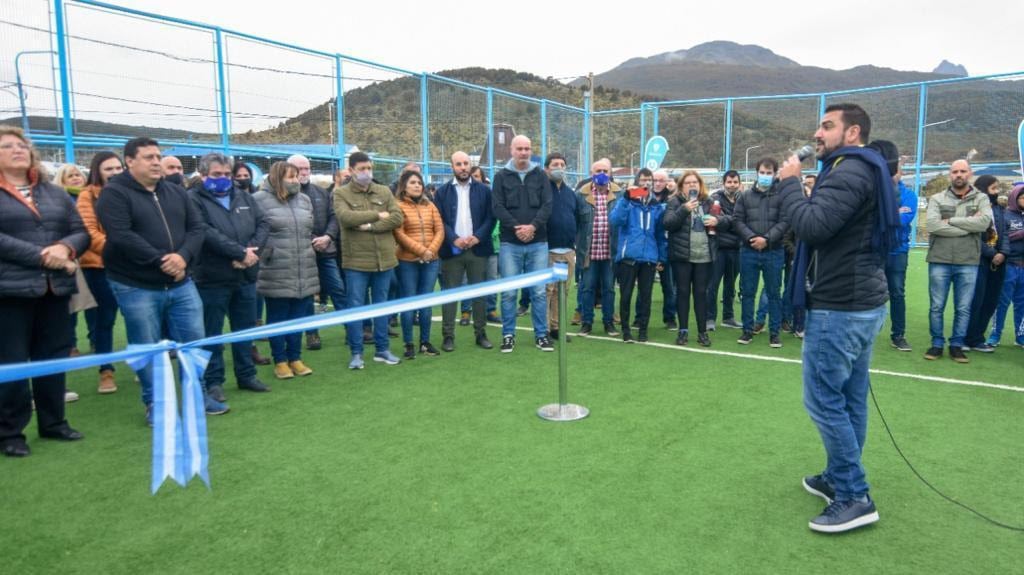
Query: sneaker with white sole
x=842, y=516
x=544, y=344
x=508, y=343
x=386, y=357
x=357, y=362
x=817, y=485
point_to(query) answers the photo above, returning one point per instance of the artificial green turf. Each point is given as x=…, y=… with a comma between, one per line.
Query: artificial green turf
x=689, y=462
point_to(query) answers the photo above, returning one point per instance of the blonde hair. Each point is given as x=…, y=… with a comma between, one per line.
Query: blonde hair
x=65, y=171
x=702, y=193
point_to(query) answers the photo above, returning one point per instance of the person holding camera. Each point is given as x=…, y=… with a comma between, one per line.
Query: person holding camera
x=640, y=251
x=692, y=246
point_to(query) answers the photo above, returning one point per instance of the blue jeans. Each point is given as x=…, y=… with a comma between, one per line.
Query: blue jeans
x=836, y=356
x=416, y=278
x=1013, y=292
x=600, y=272
x=940, y=276
x=287, y=347
x=896, y=277
x=239, y=306
x=330, y=283
x=148, y=313
x=516, y=259
x=378, y=284
x=763, y=305
x=105, y=310
x=492, y=274
x=752, y=265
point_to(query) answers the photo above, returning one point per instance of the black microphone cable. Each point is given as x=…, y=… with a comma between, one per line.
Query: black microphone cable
x=925, y=481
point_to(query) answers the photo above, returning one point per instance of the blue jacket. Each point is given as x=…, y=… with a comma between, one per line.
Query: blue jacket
x=999, y=227
x=566, y=213
x=908, y=199
x=641, y=237
x=446, y=198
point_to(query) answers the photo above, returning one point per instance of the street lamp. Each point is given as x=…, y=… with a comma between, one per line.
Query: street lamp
x=21, y=91
x=631, y=156
x=746, y=158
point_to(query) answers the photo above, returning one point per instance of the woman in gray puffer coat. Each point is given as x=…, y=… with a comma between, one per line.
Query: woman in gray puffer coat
x=288, y=275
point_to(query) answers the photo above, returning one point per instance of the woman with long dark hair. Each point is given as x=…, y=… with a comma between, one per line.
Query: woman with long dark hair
x=41, y=234
x=104, y=166
x=419, y=242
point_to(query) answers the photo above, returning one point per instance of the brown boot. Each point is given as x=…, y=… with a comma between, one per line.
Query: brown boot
x=107, y=383
x=259, y=359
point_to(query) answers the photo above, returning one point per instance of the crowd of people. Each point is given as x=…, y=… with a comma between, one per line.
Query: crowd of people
x=176, y=258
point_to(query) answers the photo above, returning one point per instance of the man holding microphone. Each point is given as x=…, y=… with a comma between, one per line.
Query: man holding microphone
x=845, y=228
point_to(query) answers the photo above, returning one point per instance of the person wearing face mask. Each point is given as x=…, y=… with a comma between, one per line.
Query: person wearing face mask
x=995, y=248
x=225, y=272
x=563, y=227
x=241, y=174
x=325, y=242
x=288, y=275
x=368, y=215
x=172, y=170
x=596, y=249
x=154, y=232
x=726, y=265
x=759, y=223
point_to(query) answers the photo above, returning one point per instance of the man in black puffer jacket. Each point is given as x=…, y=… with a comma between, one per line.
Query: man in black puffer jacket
x=726, y=266
x=759, y=223
x=846, y=227
x=225, y=271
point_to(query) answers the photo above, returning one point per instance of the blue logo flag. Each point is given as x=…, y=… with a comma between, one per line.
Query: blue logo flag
x=655, y=152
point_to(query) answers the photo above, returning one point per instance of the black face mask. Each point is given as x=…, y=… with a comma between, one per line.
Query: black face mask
x=175, y=179
x=243, y=185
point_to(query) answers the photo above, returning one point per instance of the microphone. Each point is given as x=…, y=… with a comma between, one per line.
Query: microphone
x=805, y=152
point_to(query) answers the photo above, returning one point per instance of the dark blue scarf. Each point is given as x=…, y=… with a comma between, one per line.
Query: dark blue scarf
x=884, y=236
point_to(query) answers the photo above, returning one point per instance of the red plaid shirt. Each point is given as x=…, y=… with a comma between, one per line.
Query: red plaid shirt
x=600, y=248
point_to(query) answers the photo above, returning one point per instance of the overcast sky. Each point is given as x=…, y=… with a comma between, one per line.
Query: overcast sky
x=571, y=38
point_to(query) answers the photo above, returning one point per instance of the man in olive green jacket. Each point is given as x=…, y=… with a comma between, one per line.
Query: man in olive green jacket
x=956, y=219
x=367, y=214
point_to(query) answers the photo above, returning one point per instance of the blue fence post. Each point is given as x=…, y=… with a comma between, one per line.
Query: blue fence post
x=339, y=110
x=922, y=117
x=425, y=127
x=643, y=136
x=543, y=129
x=65, y=83
x=222, y=101
x=490, y=133
x=727, y=152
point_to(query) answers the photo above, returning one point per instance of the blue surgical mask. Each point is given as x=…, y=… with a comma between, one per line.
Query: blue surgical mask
x=601, y=179
x=218, y=186
x=764, y=181
x=557, y=175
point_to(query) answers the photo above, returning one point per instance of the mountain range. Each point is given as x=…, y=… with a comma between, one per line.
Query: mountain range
x=722, y=68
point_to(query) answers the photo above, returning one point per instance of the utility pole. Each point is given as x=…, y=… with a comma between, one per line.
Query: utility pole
x=588, y=105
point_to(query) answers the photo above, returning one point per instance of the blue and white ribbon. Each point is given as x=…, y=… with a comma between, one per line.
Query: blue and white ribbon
x=180, y=450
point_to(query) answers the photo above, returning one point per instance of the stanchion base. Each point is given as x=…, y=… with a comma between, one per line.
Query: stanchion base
x=563, y=412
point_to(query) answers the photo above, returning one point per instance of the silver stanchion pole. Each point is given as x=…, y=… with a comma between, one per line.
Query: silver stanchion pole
x=563, y=410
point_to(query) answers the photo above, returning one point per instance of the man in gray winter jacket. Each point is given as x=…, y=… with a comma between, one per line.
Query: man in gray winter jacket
x=956, y=219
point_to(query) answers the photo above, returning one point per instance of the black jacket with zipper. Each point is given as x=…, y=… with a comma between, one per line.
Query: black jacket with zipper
x=142, y=227
x=759, y=213
x=228, y=232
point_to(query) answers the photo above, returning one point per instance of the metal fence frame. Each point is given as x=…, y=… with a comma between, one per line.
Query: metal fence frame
x=648, y=112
